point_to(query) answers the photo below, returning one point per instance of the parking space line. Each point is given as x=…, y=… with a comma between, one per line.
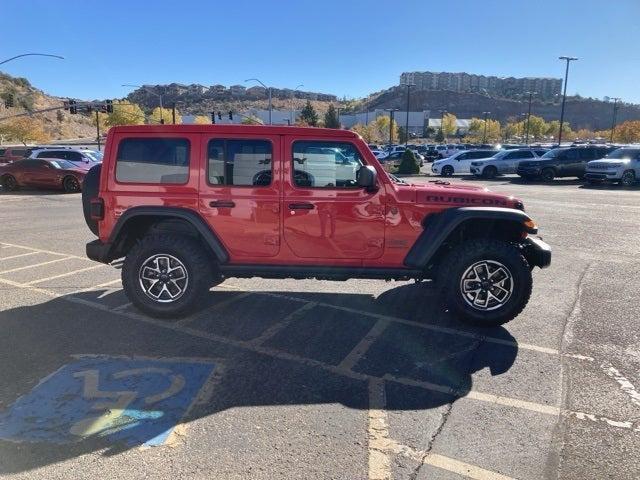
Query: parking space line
x=625, y=385
x=426, y=326
x=96, y=287
x=44, y=251
x=275, y=353
x=122, y=307
x=378, y=433
x=286, y=321
x=73, y=272
x=35, y=265
x=363, y=345
x=19, y=255
x=190, y=318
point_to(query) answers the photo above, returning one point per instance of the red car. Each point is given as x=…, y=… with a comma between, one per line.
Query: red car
x=43, y=173
x=11, y=154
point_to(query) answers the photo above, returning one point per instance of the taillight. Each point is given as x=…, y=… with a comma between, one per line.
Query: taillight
x=97, y=208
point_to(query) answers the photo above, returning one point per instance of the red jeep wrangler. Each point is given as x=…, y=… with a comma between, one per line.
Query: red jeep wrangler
x=190, y=205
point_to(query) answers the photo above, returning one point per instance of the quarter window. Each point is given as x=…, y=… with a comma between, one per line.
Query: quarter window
x=325, y=164
x=239, y=162
x=153, y=160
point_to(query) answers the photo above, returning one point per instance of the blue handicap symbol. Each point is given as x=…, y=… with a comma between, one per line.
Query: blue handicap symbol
x=136, y=401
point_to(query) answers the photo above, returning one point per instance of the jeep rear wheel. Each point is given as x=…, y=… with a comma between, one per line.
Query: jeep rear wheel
x=447, y=171
x=166, y=275
x=628, y=178
x=485, y=282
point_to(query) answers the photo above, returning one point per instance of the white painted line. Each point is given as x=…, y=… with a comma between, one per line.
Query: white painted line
x=73, y=272
x=19, y=255
x=363, y=345
x=36, y=265
x=121, y=308
x=378, y=433
x=96, y=287
x=286, y=321
x=472, y=394
x=190, y=318
x=625, y=385
x=44, y=251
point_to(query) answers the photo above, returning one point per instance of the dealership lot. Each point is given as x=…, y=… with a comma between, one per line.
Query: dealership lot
x=309, y=379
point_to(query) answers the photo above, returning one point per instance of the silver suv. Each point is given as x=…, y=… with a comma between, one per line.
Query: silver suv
x=621, y=166
x=75, y=155
x=504, y=162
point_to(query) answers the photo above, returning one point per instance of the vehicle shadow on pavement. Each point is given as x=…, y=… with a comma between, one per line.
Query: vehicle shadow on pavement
x=424, y=357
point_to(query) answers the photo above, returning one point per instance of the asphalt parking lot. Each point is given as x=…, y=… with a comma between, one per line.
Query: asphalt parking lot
x=317, y=379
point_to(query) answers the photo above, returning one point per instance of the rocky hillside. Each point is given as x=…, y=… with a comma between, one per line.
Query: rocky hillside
x=579, y=112
x=57, y=124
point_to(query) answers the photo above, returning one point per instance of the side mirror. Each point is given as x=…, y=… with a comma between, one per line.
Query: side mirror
x=367, y=178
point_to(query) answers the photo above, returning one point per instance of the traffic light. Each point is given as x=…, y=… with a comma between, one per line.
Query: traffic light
x=219, y=115
x=213, y=117
x=109, y=106
x=230, y=114
x=72, y=107
x=8, y=101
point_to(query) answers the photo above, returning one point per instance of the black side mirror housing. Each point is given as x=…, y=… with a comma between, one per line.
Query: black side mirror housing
x=367, y=178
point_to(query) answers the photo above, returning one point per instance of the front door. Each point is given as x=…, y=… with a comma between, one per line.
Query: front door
x=239, y=192
x=326, y=215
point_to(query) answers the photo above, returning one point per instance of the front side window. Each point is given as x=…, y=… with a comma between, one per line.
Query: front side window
x=239, y=162
x=153, y=160
x=328, y=164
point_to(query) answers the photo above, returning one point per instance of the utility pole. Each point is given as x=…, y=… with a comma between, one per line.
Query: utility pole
x=98, y=129
x=529, y=114
x=391, y=115
x=406, y=131
x=564, y=94
x=484, y=136
x=442, y=114
x=173, y=112
x=615, y=114
x=267, y=88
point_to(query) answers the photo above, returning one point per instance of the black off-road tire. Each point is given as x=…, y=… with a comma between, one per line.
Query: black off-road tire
x=446, y=171
x=189, y=252
x=9, y=183
x=547, y=175
x=490, y=172
x=461, y=258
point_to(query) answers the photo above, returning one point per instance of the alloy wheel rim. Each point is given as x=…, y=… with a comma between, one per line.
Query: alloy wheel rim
x=163, y=278
x=486, y=285
x=627, y=178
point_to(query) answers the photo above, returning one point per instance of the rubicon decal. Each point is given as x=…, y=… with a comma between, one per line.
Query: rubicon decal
x=466, y=200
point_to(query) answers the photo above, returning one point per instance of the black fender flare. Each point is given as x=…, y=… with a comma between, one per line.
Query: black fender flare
x=438, y=227
x=190, y=216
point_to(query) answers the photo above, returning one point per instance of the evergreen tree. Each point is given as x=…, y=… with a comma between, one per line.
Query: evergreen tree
x=439, y=136
x=409, y=164
x=331, y=119
x=309, y=115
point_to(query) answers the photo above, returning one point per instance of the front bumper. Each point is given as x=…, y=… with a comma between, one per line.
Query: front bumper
x=529, y=171
x=602, y=176
x=537, y=252
x=99, y=252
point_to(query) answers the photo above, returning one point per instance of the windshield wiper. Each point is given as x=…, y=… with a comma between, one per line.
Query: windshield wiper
x=397, y=180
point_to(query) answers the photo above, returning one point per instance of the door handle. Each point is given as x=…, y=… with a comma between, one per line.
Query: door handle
x=301, y=206
x=222, y=203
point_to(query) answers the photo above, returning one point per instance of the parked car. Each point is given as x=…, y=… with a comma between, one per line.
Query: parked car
x=503, y=162
x=459, y=162
x=620, y=166
x=11, y=154
x=380, y=154
x=75, y=155
x=562, y=162
x=54, y=174
x=185, y=219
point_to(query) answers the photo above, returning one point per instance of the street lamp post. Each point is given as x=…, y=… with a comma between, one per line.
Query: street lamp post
x=391, y=115
x=613, y=120
x=406, y=131
x=31, y=54
x=484, y=136
x=293, y=94
x=152, y=93
x=529, y=114
x=564, y=93
x=268, y=88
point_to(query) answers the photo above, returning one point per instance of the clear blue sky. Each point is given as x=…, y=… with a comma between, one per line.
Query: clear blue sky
x=342, y=47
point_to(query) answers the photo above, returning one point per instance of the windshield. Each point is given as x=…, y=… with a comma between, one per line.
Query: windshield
x=62, y=164
x=623, y=153
x=552, y=153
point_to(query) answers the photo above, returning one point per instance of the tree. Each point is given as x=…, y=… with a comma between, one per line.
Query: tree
x=409, y=164
x=251, y=120
x=366, y=132
x=449, y=124
x=331, y=119
x=402, y=135
x=380, y=127
x=627, y=132
x=308, y=115
x=25, y=129
x=103, y=119
x=201, y=120
x=125, y=113
x=477, y=129
x=439, y=136
x=537, y=127
x=167, y=116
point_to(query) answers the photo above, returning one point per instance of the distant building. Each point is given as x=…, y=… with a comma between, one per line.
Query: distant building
x=238, y=90
x=466, y=82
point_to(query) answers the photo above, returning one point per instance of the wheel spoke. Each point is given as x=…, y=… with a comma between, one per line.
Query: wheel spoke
x=486, y=285
x=163, y=278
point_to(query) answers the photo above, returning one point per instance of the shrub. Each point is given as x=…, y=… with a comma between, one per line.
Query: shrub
x=409, y=164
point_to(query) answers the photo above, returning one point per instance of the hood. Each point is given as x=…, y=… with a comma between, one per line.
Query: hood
x=608, y=161
x=462, y=196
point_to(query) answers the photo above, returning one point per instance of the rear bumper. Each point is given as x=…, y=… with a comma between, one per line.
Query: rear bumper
x=537, y=252
x=98, y=251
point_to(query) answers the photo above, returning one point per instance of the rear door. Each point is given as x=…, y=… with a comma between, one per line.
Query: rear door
x=240, y=192
x=512, y=159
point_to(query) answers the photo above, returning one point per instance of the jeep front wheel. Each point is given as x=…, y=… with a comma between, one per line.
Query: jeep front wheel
x=166, y=275
x=485, y=282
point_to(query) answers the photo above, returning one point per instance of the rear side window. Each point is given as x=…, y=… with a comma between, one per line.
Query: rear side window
x=153, y=160
x=19, y=152
x=239, y=162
